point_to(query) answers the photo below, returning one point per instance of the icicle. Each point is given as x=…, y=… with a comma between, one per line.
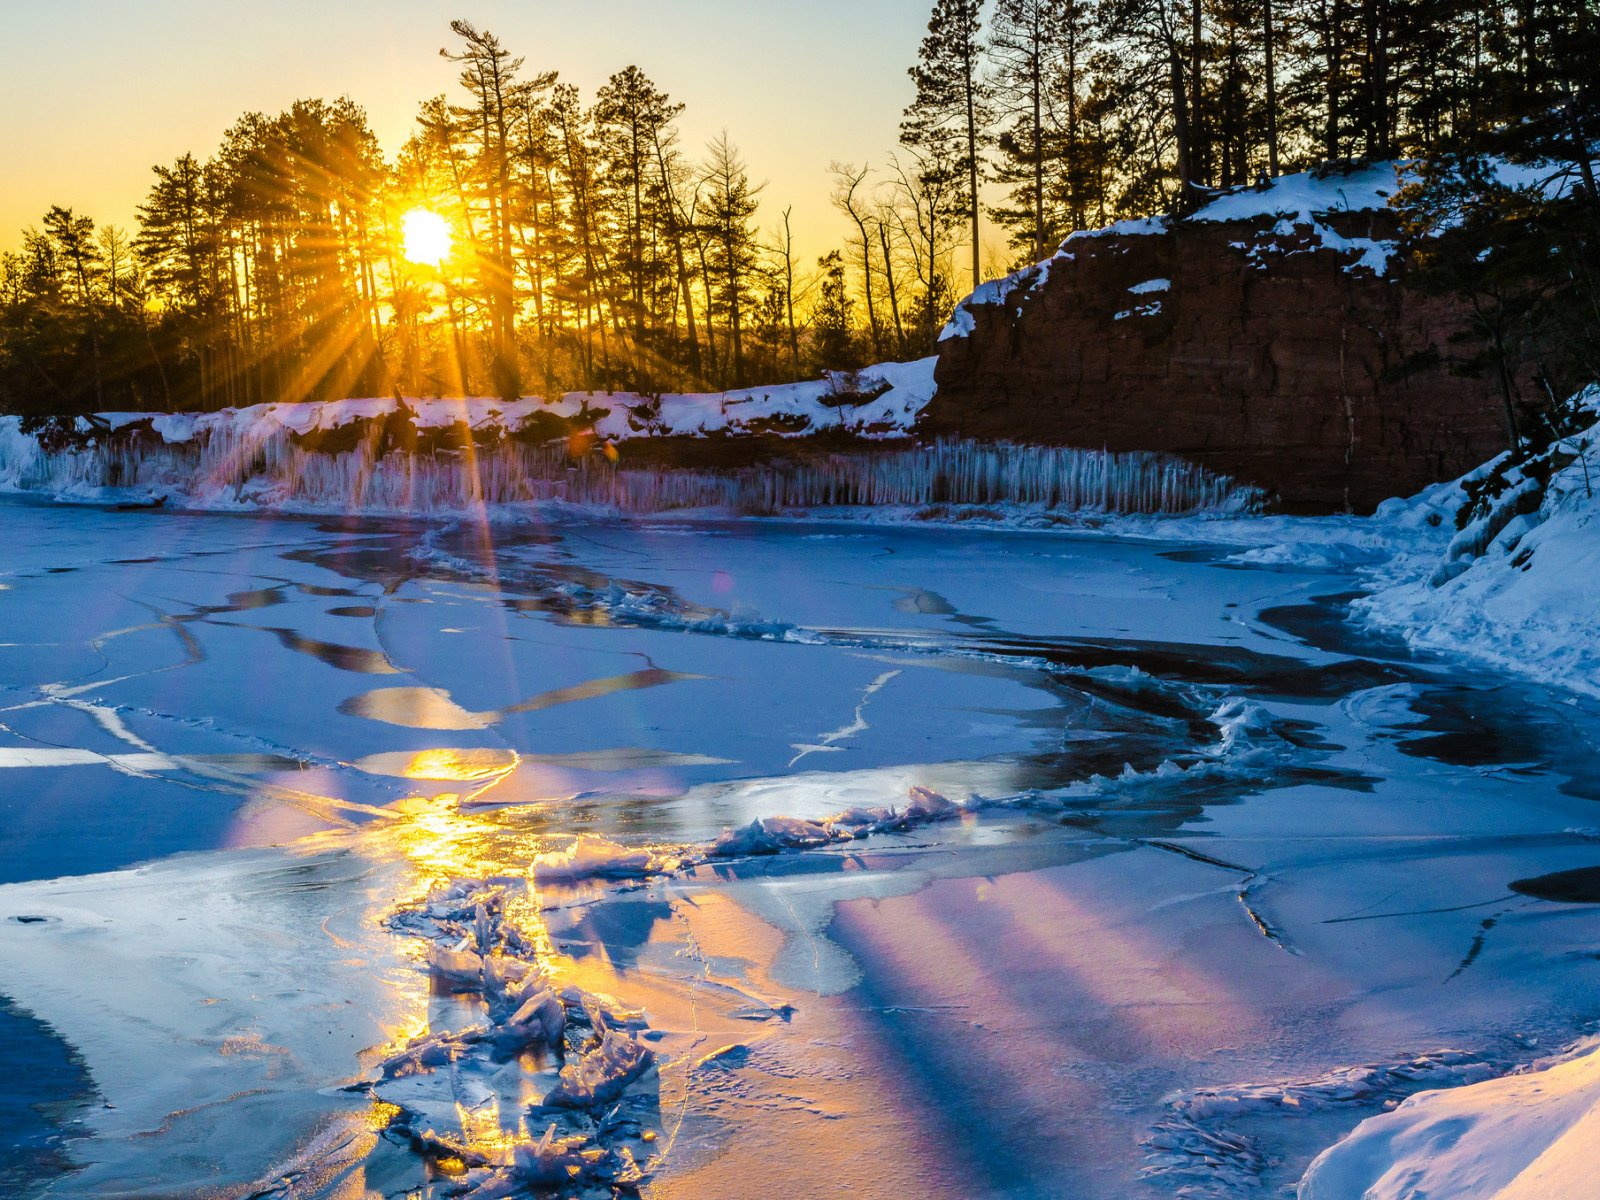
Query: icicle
x=257, y=464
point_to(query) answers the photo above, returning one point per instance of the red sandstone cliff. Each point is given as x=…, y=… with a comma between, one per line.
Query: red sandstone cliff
x=1285, y=349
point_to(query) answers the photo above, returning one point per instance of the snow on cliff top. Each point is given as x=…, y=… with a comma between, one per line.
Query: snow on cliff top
x=792, y=409
x=1305, y=195
x=1294, y=202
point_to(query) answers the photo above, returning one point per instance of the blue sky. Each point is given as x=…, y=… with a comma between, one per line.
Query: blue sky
x=94, y=93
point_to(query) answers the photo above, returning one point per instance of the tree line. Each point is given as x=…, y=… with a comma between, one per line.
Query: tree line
x=1085, y=111
x=592, y=250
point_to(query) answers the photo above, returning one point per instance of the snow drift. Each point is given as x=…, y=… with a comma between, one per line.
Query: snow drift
x=1527, y=1136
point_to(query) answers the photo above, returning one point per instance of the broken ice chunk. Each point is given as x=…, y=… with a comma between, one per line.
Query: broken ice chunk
x=603, y=1074
x=591, y=857
x=458, y=970
x=770, y=835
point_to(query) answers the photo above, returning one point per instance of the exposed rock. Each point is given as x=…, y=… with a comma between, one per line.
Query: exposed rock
x=1286, y=351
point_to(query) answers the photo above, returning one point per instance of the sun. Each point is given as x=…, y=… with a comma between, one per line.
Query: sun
x=426, y=236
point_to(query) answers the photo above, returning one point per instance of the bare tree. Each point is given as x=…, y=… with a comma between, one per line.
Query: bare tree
x=848, y=185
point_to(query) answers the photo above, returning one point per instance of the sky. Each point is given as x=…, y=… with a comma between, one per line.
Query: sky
x=93, y=93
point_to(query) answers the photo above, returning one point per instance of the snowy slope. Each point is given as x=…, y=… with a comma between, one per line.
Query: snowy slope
x=1516, y=587
x=1528, y=1136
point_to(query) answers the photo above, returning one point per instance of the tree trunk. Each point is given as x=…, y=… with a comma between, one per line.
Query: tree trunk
x=1272, y=89
x=972, y=172
x=888, y=275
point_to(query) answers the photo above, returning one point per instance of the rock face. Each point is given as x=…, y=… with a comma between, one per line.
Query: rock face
x=1285, y=351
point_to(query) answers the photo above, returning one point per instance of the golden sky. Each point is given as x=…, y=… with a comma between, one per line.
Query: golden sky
x=95, y=92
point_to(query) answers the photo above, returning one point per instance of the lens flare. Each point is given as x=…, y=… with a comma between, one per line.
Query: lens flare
x=426, y=237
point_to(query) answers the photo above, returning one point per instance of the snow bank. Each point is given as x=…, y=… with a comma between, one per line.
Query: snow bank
x=899, y=392
x=1527, y=1136
x=1515, y=585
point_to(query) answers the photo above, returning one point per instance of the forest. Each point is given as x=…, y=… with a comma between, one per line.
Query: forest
x=530, y=239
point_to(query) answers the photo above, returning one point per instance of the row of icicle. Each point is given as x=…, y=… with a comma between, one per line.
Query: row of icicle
x=225, y=466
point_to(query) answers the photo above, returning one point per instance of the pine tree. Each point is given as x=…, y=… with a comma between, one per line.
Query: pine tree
x=630, y=115
x=1040, y=52
x=948, y=118
x=833, y=316
x=1024, y=45
x=488, y=73
x=731, y=245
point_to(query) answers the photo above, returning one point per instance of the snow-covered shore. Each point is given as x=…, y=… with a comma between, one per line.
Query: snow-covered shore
x=1515, y=586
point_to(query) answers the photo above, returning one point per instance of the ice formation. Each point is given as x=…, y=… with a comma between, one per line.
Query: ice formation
x=591, y=857
x=594, y=1122
x=257, y=463
x=772, y=835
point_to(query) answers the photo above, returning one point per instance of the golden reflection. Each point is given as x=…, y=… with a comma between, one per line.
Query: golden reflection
x=415, y=708
x=484, y=860
x=482, y=1129
x=441, y=842
x=442, y=765
x=433, y=708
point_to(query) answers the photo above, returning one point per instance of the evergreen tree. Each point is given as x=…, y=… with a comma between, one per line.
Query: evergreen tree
x=1025, y=44
x=833, y=315
x=489, y=75
x=1509, y=219
x=948, y=118
x=731, y=244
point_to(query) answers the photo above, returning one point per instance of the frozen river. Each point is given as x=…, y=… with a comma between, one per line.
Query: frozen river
x=1225, y=877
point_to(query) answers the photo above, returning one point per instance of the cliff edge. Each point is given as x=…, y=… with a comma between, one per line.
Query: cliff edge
x=1271, y=336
